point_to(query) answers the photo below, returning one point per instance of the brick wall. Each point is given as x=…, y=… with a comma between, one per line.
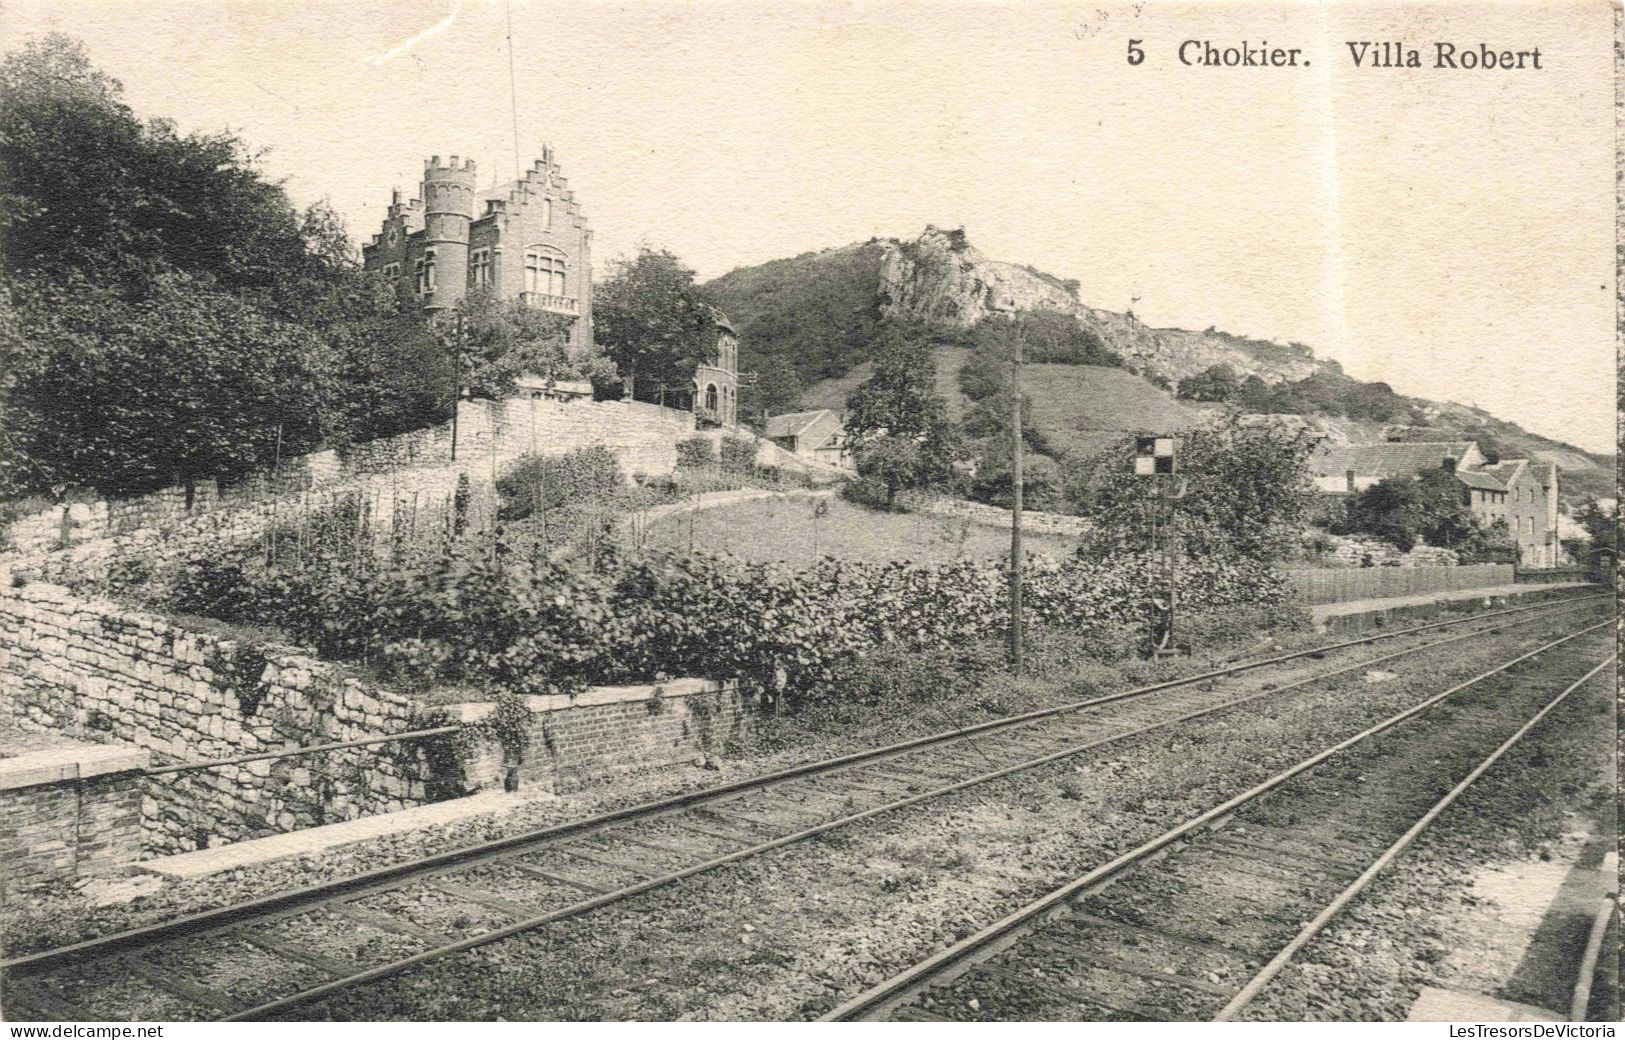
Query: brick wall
x=69, y=810
x=616, y=729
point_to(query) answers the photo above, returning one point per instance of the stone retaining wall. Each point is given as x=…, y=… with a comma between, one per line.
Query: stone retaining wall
x=91, y=669
x=389, y=474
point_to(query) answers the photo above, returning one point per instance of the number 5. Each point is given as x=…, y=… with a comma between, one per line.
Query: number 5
x=1135, y=54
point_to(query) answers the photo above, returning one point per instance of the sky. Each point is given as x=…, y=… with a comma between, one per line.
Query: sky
x=1448, y=231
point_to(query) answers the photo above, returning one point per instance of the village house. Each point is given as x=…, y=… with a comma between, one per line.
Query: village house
x=1519, y=492
x=817, y=434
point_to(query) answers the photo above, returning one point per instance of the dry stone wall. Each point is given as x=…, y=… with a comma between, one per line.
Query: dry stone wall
x=94, y=670
x=91, y=669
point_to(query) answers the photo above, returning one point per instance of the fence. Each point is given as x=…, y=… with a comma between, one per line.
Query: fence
x=1553, y=575
x=1340, y=585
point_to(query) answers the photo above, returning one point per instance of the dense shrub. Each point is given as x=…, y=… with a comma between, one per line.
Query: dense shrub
x=1240, y=624
x=522, y=626
x=694, y=452
x=867, y=491
x=540, y=482
x=738, y=454
x=894, y=676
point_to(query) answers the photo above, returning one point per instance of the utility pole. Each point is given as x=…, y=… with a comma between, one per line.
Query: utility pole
x=1016, y=557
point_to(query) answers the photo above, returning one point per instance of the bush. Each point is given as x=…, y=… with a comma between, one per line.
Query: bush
x=871, y=493
x=543, y=482
x=510, y=625
x=893, y=675
x=738, y=454
x=1241, y=625
x=694, y=452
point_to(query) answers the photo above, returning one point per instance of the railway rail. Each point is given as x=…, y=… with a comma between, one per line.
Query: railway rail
x=1196, y=922
x=516, y=884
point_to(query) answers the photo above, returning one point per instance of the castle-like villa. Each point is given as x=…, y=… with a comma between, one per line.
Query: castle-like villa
x=527, y=240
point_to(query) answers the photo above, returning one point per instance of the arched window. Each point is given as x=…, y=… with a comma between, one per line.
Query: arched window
x=711, y=397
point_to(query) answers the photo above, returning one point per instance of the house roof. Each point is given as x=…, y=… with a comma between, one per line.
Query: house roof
x=1480, y=480
x=722, y=321
x=1390, y=459
x=793, y=424
x=1507, y=469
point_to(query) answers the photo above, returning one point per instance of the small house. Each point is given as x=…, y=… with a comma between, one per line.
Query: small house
x=817, y=435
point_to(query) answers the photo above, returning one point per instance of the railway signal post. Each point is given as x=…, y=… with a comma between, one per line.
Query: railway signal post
x=1157, y=459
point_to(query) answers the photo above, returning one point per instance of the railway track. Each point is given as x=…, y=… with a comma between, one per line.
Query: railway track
x=1194, y=923
x=387, y=921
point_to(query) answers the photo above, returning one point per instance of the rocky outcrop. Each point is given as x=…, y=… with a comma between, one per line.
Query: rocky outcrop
x=940, y=276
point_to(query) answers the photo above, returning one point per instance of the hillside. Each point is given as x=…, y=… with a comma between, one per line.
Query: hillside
x=807, y=324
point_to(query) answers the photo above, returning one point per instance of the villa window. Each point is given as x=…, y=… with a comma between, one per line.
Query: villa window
x=481, y=271
x=544, y=273
x=392, y=271
x=547, y=213
x=425, y=270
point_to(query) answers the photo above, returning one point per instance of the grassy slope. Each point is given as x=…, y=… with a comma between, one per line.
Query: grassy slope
x=786, y=530
x=1079, y=408
x=1083, y=409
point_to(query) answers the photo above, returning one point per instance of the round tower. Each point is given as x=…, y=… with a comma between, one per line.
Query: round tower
x=448, y=208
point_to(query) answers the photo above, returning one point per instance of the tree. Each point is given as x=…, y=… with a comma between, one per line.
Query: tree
x=1404, y=510
x=501, y=340
x=897, y=422
x=901, y=396
x=653, y=322
x=396, y=374
x=893, y=462
x=1040, y=477
x=1248, y=494
x=1216, y=383
x=187, y=382
x=1600, y=547
x=776, y=388
x=85, y=184
x=168, y=314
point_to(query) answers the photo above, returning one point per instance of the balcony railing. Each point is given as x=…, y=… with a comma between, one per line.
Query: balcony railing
x=549, y=302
